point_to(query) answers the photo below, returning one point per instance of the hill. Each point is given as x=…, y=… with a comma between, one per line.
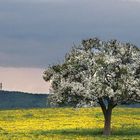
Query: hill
x=14, y=99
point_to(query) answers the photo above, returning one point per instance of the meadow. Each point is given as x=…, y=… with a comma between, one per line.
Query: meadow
x=68, y=124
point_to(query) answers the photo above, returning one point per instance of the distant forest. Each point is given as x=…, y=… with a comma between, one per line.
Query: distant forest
x=14, y=100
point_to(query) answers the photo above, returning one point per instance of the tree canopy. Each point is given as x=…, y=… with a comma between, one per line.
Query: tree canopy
x=97, y=72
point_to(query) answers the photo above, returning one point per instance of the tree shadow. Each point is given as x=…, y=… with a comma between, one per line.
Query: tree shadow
x=132, y=131
x=88, y=132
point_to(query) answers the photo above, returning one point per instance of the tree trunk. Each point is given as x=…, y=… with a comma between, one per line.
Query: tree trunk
x=107, y=122
x=107, y=111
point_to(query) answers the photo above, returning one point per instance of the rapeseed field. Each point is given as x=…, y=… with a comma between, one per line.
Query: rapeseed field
x=68, y=124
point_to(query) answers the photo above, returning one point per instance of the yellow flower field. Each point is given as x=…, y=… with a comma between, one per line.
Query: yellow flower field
x=67, y=123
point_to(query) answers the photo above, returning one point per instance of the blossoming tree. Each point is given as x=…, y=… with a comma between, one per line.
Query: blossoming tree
x=97, y=72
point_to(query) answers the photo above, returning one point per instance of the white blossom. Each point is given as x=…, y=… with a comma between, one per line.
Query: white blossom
x=97, y=70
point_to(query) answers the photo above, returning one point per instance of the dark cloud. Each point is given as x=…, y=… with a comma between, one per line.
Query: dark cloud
x=36, y=33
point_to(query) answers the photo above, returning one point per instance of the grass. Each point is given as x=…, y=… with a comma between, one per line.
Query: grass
x=68, y=124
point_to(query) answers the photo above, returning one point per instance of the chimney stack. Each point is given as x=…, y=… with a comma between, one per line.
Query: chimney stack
x=0, y=86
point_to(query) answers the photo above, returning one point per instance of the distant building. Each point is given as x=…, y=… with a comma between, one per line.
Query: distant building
x=0, y=86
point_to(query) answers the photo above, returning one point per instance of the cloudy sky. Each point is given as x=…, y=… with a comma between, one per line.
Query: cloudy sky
x=36, y=33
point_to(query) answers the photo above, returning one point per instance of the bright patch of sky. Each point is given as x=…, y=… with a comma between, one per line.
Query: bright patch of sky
x=24, y=79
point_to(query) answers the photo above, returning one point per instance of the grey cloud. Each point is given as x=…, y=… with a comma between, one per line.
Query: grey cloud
x=37, y=33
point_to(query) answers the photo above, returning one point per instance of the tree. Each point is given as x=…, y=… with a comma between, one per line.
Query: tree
x=97, y=72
